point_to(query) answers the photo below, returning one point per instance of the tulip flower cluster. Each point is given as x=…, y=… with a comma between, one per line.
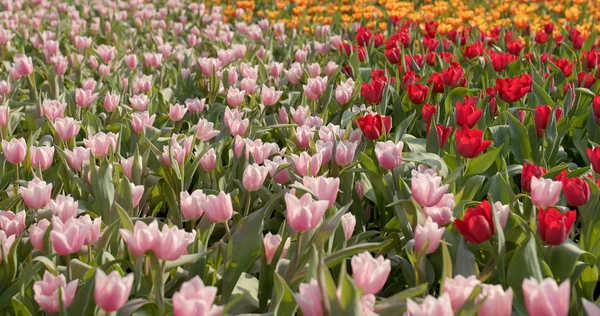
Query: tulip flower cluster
x=299, y=157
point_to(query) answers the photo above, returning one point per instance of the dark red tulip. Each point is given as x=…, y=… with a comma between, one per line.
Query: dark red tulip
x=541, y=37
x=443, y=133
x=530, y=171
x=393, y=55
x=542, y=117
x=467, y=114
x=436, y=79
x=428, y=112
x=362, y=53
x=596, y=106
x=585, y=80
x=408, y=78
x=513, y=89
x=374, y=125
x=554, y=226
x=594, y=155
x=430, y=44
x=417, y=93
x=565, y=66
x=373, y=92
x=549, y=28
x=363, y=36
x=473, y=50
x=515, y=47
x=477, y=225
x=378, y=39
x=576, y=190
x=453, y=75
x=500, y=61
x=470, y=142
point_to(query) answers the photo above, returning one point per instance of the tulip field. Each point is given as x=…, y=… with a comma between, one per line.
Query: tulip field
x=305, y=157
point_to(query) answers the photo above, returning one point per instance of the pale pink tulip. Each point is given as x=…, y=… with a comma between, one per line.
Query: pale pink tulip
x=139, y=120
x=37, y=232
x=111, y=101
x=46, y=292
x=23, y=65
x=127, y=165
x=282, y=176
x=428, y=232
x=271, y=244
x=208, y=162
x=325, y=189
x=254, y=177
x=130, y=61
x=313, y=70
x=235, y=97
x=11, y=223
x=348, y=224
x=194, y=298
x=426, y=188
x=111, y=291
x=53, y=109
x=304, y=135
x=195, y=105
x=300, y=114
x=315, y=87
x=65, y=207
x=310, y=299
x=176, y=112
x=68, y=237
x=192, y=204
x=431, y=306
x=77, y=157
x=497, y=301
x=41, y=157
x=503, y=212
x=218, y=208
x=304, y=214
x=344, y=153
x=85, y=98
x=547, y=297
x=545, y=192
x=136, y=193
x=306, y=164
x=459, y=289
x=66, y=128
x=4, y=115
x=139, y=102
x=294, y=74
x=269, y=96
x=370, y=274
x=37, y=193
x=15, y=150
x=172, y=243
x=389, y=154
x=441, y=213
x=100, y=143
x=326, y=151
x=143, y=237
x=238, y=127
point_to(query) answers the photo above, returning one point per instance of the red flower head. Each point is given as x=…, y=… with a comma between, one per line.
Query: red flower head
x=378, y=39
x=428, y=112
x=417, y=93
x=362, y=53
x=453, y=75
x=443, y=133
x=515, y=47
x=594, y=155
x=513, y=89
x=372, y=125
x=418, y=59
x=500, y=61
x=473, y=50
x=477, y=225
x=585, y=80
x=530, y=171
x=470, y=142
x=437, y=79
x=565, y=66
x=373, y=92
x=541, y=37
x=592, y=58
x=554, y=226
x=363, y=36
x=596, y=106
x=430, y=29
x=393, y=55
x=542, y=117
x=346, y=48
x=576, y=190
x=430, y=58
x=549, y=28
x=408, y=78
x=467, y=114
x=430, y=44
x=381, y=75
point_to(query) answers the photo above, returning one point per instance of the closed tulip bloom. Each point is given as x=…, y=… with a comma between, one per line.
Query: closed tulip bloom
x=66, y=128
x=172, y=243
x=192, y=204
x=469, y=142
x=373, y=126
x=431, y=306
x=23, y=65
x=194, y=298
x=545, y=192
x=218, y=208
x=310, y=299
x=64, y=206
x=41, y=157
x=4, y=115
x=235, y=97
x=232, y=115
x=195, y=105
x=205, y=130
x=576, y=190
x=271, y=244
x=269, y=96
x=143, y=237
x=503, y=212
x=326, y=189
x=370, y=274
x=590, y=308
x=477, y=225
x=100, y=143
x=426, y=188
x=547, y=297
x=348, y=224
x=139, y=102
x=46, y=292
x=344, y=153
x=68, y=237
x=431, y=232
x=176, y=112
x=37, y=193
x=343, y=92
x=282, y=176
x=37, y=232
x=77, y=156
x=11, y=223
x=254, y=177
x=152, y=60
x=53, y=109
x=307, y=165
x=554, y=226
x=467, y=114
x=373, y=92
x=389, y=154
x=111, y=101
x=139, y=120
x=325, y=149
x=441, y=213
x=85, y=98
x=417, y=93
x=304, y=135
x=238, y=127
x=496, y=302
x=136, y=193
x=315, y=87
x=304, y=214
x=15, y=150
x=459, y=289
x=208, y=162
x=594, y=156
x=111, y=291
x=130, y=61
x=92, y=229
x=530, y=171
x=299, y=114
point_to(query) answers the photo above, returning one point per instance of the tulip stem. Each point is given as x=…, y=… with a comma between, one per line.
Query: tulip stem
x=227, y=231
x=292, y=267
x=68, y=262
x=247, y=211
x=16, y=185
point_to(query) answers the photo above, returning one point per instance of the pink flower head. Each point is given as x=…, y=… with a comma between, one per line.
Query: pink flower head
x=139, y=102
x=143, y=237
x=137, y=191
x=46, y=292
x=431, y=232
x=426, y=187
x=176, y=112
x=547, y=297
x=112, y=291
x=271, y=244
x=53, y=109
x=68, y=237
x=235, y=97
x=194, y=298
x=389, y=154
x=460, y=288
x=106, y=53
x=205, y=131
x=195, y=105
x=282, y=176
x=348, y=224
x=545, y=192
x=23, y=65
x=254, y=177
x=37, y=232
x=85, y=98
x=111, y=101
x=11, y=223
x=139, y=120
x=66, y=128
x=77, y=156
x=300, y=114
x=218, y=208
x=153, y=60
x=497, y=301
x=172, y=243
x=441, y=213
x=310, y=299
x=304, y=135
x=64, y=206
x=306, y=164
x=269, y=96
x=41, y=157
x=344, y=153
x=294, y=74
x=100, y=143
x=4, y=115
x=15, y=150
x=192, y=204
x=130, y=61
x=315, y=87
x=37, y=193
x=370, y=274
x=208, y=162
x=325, y=189
x=431, y=306
x=304, y=214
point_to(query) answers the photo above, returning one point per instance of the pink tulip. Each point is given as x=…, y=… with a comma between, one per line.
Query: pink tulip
x=172, y=243
x=282, y=176
x=152, y=60
x=89, y=84
x=310, y=299
x=6, y=244
x=307, y=165
x=269, y=96
x=259, y=151
x=545, y=192
x=299, y=114
x=331, y=133
x=130, y=61
x=136, y=193
x=282, y=115
x=441, y=213
x=315, y=87
x=111, y=291
x=231, y=115
x=65, y=207
x=590, y=307
x=304, y=214
x=304, y=135
x=389, y=154
x=348, y=224
x=431, y=232
x=11, y=223
x=358, y=186
x=53, y=109
x=37, y=232
x=46, y=292
x=23, y=65
x=4, y=87
x=238, y=127
x=497, y=301
x=139, y=120
x=426, y=187
x=68, y=237
x=15, y=150
x=294, y=74
x=179, y=152
x=143, y=237
x=460, y=288
x=143, y=84
x=82, y=42
x=208, y=65
x=194, y=298
x=344, y=153
x=248, y=86
x=325, y=189
x=370, y=274
x=139, y=102
x=313, y=121
x=503, y=212
x=37, y=193
x=41, y=157
x=254, y=177
x=218, y=208
x=205, y=131
x=111, y=101
x=235, y=97
x=4, y=115
x=330, y=69
x=343, y=92
x=430, y=307
x=66, y=128
x=61, y=63
x=100, y=143
x=92, y=229
x=313, y=70
x=127, y=165
x=208, y=162
x=176, y=112
x=547, y=297
x=300, y=56
x=271, y=244
x=367, y=305
x=77, y=156
x=106, y=53
x=195, y=105
x=275, y=69
x=84, y=98
x=192, y=204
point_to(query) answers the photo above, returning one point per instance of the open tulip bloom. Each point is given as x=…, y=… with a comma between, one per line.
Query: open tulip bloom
x=190, y=157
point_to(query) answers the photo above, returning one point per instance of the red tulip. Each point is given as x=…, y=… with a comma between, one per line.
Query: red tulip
x=542, y=117
x=363, y=36
x=372, y=125
x=514, y=47
x=417, y=93
x=541, y=37
x=513, y=89
x=430, y=44
x=594, y=155
x=565, y=66
x=467, y=114
x=373, y=92
x=428, y=112
x=362, y=53
x=470, y=142
x=554, y=226
x=500, y=61
x=477, y=225
x=437, y=79
x=529, y=171
x=453, y=75
x=408, y=78
x=576, y=190
x=592, y=58
x=378, y=39
x=393, y=55
x=474, y=50
x=585, y=80
x=549, y=28
x=442, y=132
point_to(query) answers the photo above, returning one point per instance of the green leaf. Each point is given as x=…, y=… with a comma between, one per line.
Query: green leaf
x=283, y=299
x=524, y=264
x=183, y=260
x=430, y=159
x=103, y=189
x=465, y=260
x=481, y=163
x=541, y=95
x=395, y=304
x=454, y=95
x=521, y=149
x=563, y=258
x=132, y=306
